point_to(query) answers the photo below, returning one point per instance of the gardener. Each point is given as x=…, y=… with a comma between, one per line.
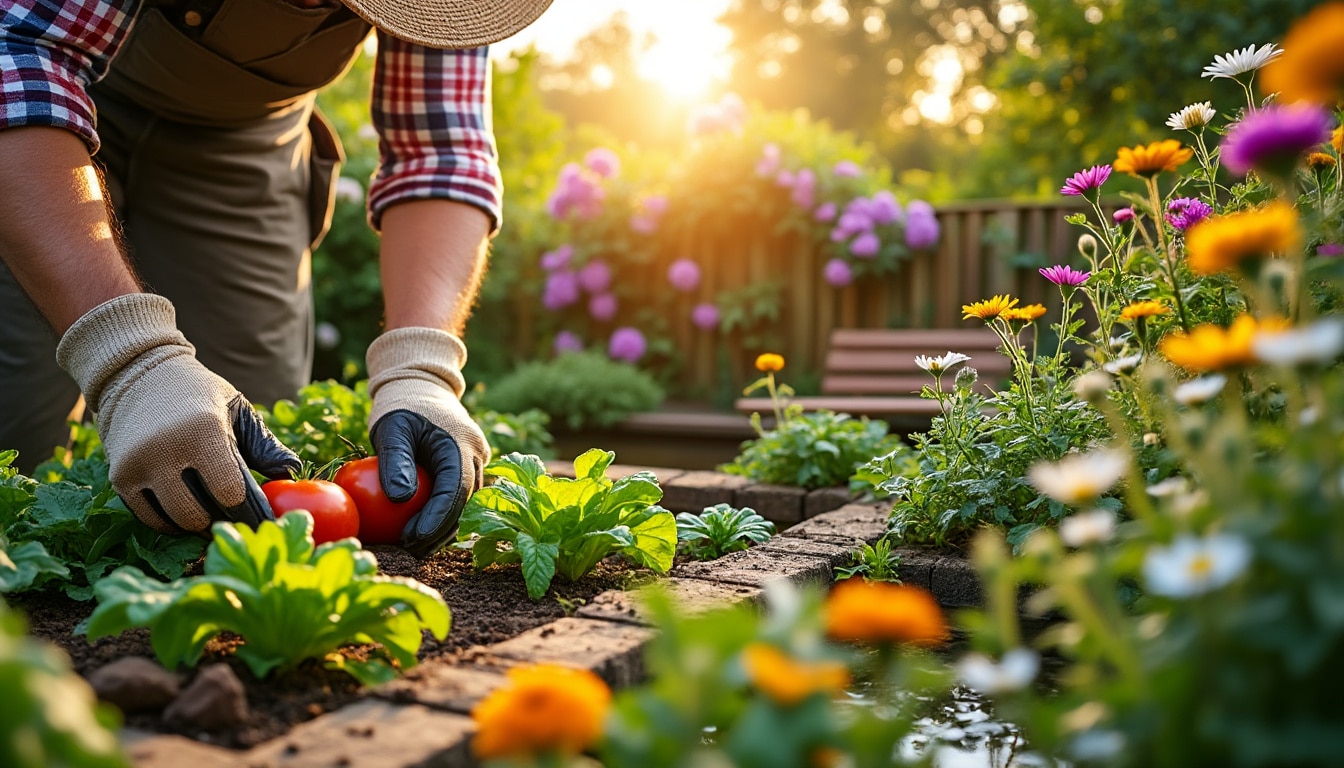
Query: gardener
x=177, y=289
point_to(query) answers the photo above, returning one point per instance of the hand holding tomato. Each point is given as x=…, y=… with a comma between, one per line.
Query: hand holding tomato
x=381, y=520
x=334, y=513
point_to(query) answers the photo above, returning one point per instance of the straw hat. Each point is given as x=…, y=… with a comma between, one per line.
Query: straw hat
x=449, y=23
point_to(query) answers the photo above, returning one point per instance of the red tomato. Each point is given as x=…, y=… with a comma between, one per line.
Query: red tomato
x=334, y=513
x=380, y=520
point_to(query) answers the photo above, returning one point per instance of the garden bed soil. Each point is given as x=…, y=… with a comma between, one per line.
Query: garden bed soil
x=487, y=606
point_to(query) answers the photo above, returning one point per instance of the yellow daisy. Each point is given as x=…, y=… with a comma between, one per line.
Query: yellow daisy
x=1222, y=242
x=1311, y=67
x=1140, y=309
x=1150, y=160
x=1028, y=313
x=1210, y=347
x=989, y=308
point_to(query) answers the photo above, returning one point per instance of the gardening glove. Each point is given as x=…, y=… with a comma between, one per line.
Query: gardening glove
x=179, y=439
x=415, y=379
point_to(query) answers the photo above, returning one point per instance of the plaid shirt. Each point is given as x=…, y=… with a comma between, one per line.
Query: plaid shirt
x=430, y=107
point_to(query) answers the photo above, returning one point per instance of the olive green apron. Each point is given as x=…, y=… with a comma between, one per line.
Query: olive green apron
x=222, y=174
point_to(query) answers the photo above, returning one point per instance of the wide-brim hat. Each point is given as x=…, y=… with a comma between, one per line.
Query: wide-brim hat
x=449, y=23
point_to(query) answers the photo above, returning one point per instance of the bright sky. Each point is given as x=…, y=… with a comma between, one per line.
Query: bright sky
x=689, y=55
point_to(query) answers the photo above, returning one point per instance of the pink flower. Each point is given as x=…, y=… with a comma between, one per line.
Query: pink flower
x=921, y=226
x=838, y=273
x=626, y=344
x=602, y=307
x=578, y=192
x=733, y=110
x=566, y=341
x=648, y=213
x=705, y=316
x=684, y=275
x=784, y=178
x=1330, y=249
x=885, y=208
x=1086, y=180
x=654, y=204
x=825, y=212
x=866, y=245
x=707, y=119
x=643, y=223
x=1062, y=275
x=851, y=223
x=769, y=162
x=919, y=208
x=1123, y=215
x=846, y=169
x=1185, y=212
x=603, y=162
x=562, y=289
x=557, y=259
x=595, y=277
x=804, y=188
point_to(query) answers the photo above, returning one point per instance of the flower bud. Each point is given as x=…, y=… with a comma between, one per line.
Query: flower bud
x=1092, y=387
x=966, y=378
x=1087, y=245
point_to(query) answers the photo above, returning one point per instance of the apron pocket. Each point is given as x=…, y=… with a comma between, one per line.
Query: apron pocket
x=324, y=162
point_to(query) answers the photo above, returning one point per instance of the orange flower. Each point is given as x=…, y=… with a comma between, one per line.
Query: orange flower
x=542, y=709
x=1222, y=242
x=1337, y=140
x=988, y=309
x=788, y=681
x=877, y=612
x=769, y=362
x=1210, y=347
x=1319, y=160
x=1028, y=313
x=1158, y=156
x=1140, y=309
x=1311, y=67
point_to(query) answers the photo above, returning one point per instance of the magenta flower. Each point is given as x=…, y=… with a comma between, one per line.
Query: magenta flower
x=804, y=188
x=866, y=245
x=648, y=213
x=557, y=259
x=1062, y=275
x=1123, y=215
x=595, y=277
x=846, y=169
x=1272, y=139
x=684, y=275
x=626, y=344
x=705, y=316
x=825, y=212
x=603, y=162
x=884, y=208
x=577, y=192
x=851, y=223
x=566, y=341
x=838, y=273
x=602, y=307
x=1330, y=249
x=1185, y=212
x=1086, y=180
x=921, y=226
x=562, y=289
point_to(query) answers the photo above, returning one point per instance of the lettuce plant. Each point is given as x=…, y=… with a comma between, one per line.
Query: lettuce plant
x=551, y=525
x=721, y=529
x=288, y=601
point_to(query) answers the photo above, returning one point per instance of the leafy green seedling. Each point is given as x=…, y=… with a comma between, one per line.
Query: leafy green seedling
x=288, y=601
x=721, y=529
x=551, y=525
x=873, y=563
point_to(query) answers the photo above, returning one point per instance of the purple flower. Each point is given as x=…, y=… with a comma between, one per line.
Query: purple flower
x=846, y=169
x=648, y=213
x=595, y=277
x=825, y=212
x=1185, y=212
x=562, y=289
x=921, y=229
x=1271, y=139
x=578, y=192
x=1062, y=275
x=1330, y=249
x=603, y=162
x=566, y=341
x=851, y=223
x=705, y=316
x=866, y=245
x=838, y=273
x=804, y=188
x=1123, y=215
x=1086, y=180
x=626, y=344
x=602, y=307
x=885, y=209
x=784, y=178
x=684, y=275
x=557, y=259
x=769, y=162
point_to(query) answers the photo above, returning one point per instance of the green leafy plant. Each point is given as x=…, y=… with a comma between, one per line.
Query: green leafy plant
x=522, y=432
x=721, y=529
x=323, y=422
x=288, y=601
x=27, y=563
x=875, y=562
x=551, y=525
x=813, y=450
x=579, y=389
x=48, y=714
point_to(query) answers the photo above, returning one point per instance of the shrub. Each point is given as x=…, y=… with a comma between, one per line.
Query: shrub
x=579, y=389
x=813, y=450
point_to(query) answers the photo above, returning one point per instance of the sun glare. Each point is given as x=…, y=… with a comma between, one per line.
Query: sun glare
x=686, y=66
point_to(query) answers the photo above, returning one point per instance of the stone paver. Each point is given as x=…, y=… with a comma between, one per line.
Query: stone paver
x=369, y=734
x=694, y=491
x=693, y=596
x=442, y=685
x=863, y=522
x=824, y=500
x=916, y=568
x=158, y=750
x=758, y=567
x=835, y=554
x=955, y=583
x=780, y=504
x=613, y=650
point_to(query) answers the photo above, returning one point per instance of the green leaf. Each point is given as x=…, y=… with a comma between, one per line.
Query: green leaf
x=538, y=560
x=26, y=564
x=370, y=673
x=593, y=463
x=655, y=532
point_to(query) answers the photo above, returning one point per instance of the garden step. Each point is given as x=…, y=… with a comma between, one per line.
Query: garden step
x=863, y=522
x=834, y=554
x=445, y=684
x=758, y=567
x=692, y=597
x=612, y=650
x=370, y=734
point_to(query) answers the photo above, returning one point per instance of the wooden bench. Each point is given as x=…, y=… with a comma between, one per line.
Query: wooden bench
x=872, y=372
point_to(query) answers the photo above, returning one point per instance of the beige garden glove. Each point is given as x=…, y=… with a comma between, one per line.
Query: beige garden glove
x=415, y=379
x=179, y=439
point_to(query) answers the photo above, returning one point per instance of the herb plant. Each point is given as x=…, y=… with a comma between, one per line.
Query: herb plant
x=721, y=529
x=813, y=450
x=579, y=388
x=873, y=563
x=551, y=525
x=288, y=601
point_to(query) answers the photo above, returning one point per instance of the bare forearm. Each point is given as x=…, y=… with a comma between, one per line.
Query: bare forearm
x=56, y=236
x=433, y=256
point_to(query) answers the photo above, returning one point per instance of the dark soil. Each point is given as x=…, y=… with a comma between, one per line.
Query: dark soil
x=487, y=607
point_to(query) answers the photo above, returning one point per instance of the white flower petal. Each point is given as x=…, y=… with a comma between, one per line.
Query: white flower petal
x=1081, y=477
x=1247, y=59
x=1194, y=116
x=1084, y=528
x=1123, y=364
x=1193, y=566
x=941, y=363
x=1015, y=672
x=1199, y=390
x=1092, y=385
x=1320, y=342
x=1172, y=486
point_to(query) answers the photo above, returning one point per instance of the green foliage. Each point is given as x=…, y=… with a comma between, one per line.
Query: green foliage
x=873, y=563
x=579, y=389
x=813, y=450
x=71, y=530
x=721, y=529
x=552, y=525
x=288, y=601
x=327, y=418
x=48, y=714
x=517, y=432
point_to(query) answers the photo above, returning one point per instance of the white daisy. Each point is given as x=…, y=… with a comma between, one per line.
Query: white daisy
x=1194, y=116
x=1172, y=486
x=1192, y=566
x=1247, y=59
x=1199, y=390
x=1320, y=342
x=1092, y=386
x=1084, y=528
x=1123, y=364
x=1081, y=477
x=941, y=363
x=1015, y=672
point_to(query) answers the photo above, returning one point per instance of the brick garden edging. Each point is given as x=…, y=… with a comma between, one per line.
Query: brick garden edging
x=422, y=720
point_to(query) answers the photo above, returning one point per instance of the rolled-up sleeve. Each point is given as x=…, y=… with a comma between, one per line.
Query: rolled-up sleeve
x=49, y=53
x=431, y=109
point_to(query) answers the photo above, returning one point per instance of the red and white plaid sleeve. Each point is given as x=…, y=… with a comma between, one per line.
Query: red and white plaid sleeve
x=431, y=108
x=50, y=50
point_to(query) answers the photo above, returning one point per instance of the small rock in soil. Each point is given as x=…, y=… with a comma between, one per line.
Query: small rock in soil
x=135, y=684
x=215, y=699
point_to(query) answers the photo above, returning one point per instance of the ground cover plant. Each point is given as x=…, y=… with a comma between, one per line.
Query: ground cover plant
x=555, y=525
x=577, y=389
x=721, y=529
x=875, y=562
